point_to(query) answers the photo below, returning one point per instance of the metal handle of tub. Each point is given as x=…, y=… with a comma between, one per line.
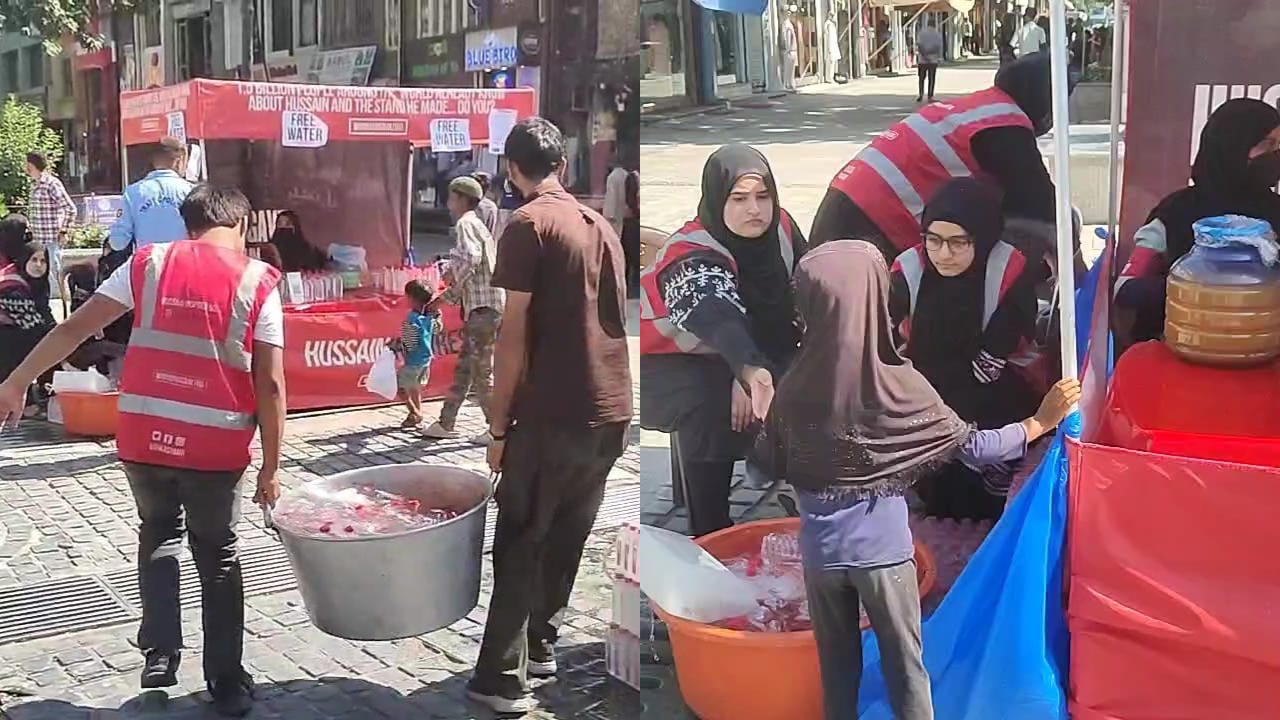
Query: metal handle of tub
x=269, y=523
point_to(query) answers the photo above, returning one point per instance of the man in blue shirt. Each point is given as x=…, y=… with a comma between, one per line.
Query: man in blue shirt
x=150, y=211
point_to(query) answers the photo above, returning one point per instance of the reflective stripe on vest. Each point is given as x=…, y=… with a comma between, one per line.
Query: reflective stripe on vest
x=892, y=178
x=687, y=342
x=911, y=263
x=186, y=412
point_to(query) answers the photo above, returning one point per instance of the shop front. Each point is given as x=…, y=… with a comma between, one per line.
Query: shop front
x=666, y=58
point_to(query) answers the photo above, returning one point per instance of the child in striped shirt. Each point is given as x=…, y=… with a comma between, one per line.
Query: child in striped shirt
x=414, y=346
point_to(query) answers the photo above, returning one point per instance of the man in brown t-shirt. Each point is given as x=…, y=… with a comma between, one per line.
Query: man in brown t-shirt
x=560, y=412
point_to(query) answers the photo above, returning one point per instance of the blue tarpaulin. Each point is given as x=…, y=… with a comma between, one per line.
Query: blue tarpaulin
x=741, y=7
x=997, y=646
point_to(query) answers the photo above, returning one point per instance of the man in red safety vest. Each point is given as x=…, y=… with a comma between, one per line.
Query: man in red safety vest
x=991, y=134
x=203, y=371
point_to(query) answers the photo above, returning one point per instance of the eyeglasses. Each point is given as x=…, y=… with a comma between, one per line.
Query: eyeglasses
x=955, y=243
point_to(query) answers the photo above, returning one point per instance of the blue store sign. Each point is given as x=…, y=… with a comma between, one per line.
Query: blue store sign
x=492, y=49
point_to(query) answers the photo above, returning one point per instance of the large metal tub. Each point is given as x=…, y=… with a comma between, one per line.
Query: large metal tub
x=389, y=587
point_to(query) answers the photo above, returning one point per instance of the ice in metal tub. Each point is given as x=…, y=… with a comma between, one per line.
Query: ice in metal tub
x=387, y=587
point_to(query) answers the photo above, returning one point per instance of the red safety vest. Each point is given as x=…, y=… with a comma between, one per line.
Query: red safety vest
x=186, y=394
x=893, y=177
x=1004, y=266
x=657, y=334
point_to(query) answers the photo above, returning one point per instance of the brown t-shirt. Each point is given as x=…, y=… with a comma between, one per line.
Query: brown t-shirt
x=568, y=256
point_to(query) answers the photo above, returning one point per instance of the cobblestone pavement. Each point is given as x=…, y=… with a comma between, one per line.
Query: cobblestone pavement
x=67, y=558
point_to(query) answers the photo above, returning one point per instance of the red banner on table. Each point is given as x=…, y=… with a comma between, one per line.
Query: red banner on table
x=330, y=348
x=1186, y=58
x=233, y=110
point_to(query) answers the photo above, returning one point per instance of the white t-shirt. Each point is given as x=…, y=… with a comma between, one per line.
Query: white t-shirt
x=269, y=329
x=1031, y=39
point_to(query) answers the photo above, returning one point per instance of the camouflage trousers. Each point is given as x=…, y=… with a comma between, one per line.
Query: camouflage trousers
x=475, y=365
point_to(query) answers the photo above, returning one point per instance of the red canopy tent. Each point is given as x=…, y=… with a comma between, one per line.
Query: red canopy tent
x=341, y=158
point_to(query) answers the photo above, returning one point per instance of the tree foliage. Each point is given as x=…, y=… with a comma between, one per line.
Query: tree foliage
x=53, y=20
x=22, y=130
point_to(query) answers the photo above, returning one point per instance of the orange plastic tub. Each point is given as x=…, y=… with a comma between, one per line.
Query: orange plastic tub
x=735, y=675
x=90, y=414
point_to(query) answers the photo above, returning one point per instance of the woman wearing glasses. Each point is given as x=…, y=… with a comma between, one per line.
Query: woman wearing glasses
x=964, y=305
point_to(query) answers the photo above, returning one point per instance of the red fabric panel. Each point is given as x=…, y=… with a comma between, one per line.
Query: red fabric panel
x=330, y=348
x=1174, y=606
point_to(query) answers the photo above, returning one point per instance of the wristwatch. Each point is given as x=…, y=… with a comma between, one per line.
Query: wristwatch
x=496, y=438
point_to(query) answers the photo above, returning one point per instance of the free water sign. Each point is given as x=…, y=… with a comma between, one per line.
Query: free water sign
x=303, y=130
x=491, y=49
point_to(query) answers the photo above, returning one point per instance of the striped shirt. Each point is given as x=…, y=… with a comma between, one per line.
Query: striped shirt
x=470, y=271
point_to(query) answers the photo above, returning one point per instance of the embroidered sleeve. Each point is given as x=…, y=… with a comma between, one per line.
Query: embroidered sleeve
x=701, y=296
x=24, y=311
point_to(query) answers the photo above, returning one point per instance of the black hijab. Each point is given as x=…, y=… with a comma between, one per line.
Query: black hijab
x=946, y=322
x=763, y=281
x=1029, y=82
x=852, y=412
x=1222, y=182
x=296, y=254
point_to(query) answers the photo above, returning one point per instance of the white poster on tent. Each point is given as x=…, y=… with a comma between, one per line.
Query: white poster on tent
x=500, y=124
x=176, y=126
x=301, y=129
x=450, y=135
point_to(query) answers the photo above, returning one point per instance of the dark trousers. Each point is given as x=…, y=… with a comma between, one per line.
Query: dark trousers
x=892, y=600
x=205, y=506
x=928, y=74
x=474, y=371
x=707, y=484
x=552, y=485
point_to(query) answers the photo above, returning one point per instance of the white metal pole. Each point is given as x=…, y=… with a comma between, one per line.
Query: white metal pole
x=1119, y=71
x=1062, y=181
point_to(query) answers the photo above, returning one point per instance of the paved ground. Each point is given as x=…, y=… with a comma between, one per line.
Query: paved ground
x=68, y=597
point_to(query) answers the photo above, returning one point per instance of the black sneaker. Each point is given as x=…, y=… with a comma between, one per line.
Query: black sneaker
x=232, y=697
x=161, y=669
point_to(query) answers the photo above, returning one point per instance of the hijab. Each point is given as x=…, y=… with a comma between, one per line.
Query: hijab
x=26, y=300
x=763, y=281
x=946, y=320
x=1224, y=182
x=1029, y=82
x=852, y=412
x=296, y=254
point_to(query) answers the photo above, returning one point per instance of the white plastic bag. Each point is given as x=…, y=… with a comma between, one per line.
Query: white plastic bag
x=382, y=376
x=687, y=581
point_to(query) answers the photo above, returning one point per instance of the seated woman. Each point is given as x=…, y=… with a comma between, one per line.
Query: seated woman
x=1235, y=173
x=965, y=307
x=852, y=427
x=717, y=323
x=288, y=250
x=24, y=309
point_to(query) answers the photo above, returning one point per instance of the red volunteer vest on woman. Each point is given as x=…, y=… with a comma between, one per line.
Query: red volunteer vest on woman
x=186, y=395
x=894, y=176
x=1004, y=266
x=657, y=334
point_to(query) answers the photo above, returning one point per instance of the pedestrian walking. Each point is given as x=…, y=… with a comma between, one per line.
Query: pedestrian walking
x=487, y=210
x=470, y=276
x=203, y=371
x=832, y=44
x=150, y=213
x=930, y=46
x=970, y=46
x=560, y=414
x=50, y=211
x=414, y=347
x=790, y=50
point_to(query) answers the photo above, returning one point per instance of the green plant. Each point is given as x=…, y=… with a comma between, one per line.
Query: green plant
x=88, y=237
x=22, y=130
x=56, y=19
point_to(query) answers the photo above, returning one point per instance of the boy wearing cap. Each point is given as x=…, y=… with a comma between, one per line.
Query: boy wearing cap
x=469, y=275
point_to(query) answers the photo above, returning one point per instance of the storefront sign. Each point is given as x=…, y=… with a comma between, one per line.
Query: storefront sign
x=349, y=66
x=450, y=135
x=302, y=129
x=491, y=49
x=1173, y=92
x=530, y=44
x=434, y=60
